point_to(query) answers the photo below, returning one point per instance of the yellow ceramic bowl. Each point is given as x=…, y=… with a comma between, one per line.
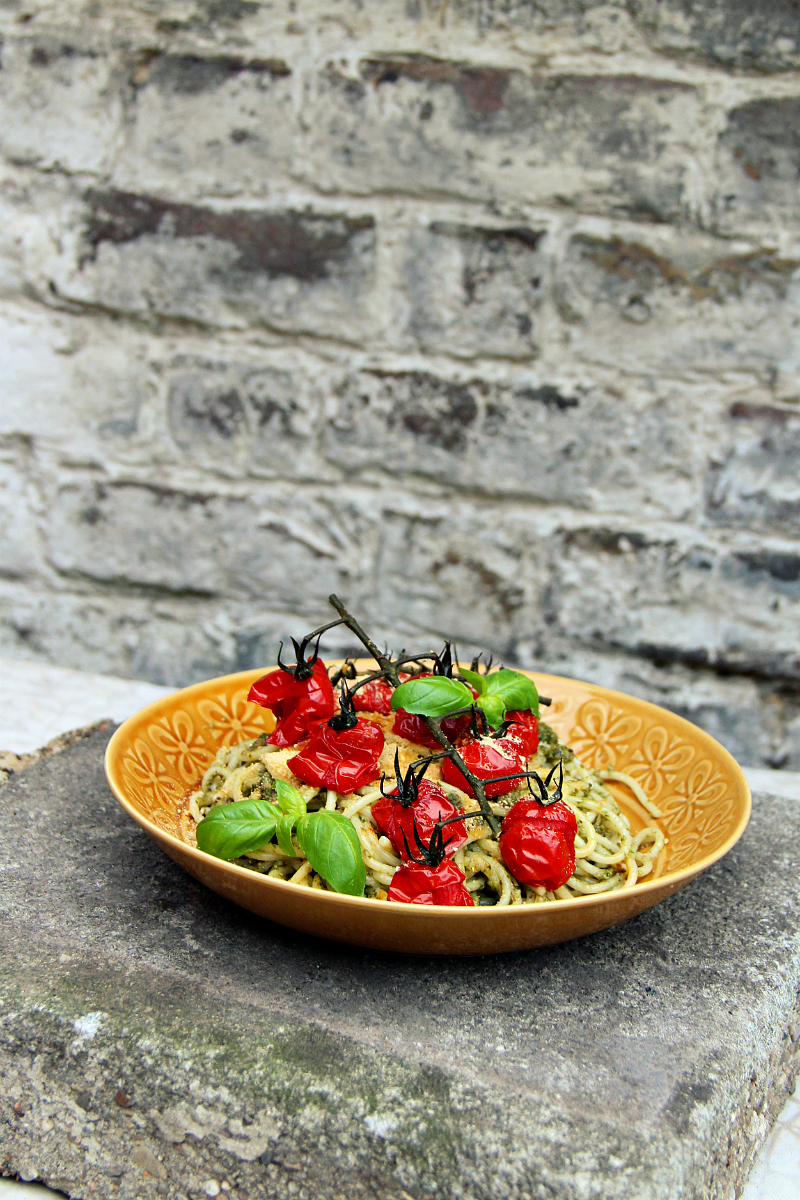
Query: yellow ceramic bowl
x=156, y=757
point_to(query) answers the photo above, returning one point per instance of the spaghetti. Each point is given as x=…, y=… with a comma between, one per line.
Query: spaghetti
x=609, y=856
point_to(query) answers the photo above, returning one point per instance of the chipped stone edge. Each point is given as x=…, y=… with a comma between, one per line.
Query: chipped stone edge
x=754, y=1118
x=12, y=764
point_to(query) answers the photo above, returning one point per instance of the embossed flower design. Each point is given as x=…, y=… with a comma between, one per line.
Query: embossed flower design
x=696, y=837
x=695, y=802
x=150, y=774
x=231, y=719
x=184, y=750
x=659, y=760
x=602, y=734
x=705, y=785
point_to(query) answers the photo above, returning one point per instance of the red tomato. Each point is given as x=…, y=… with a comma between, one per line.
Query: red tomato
x=416, y=884
x=537, y=843
x=487, y=759
x=524, y=730
x=298, y=704
x=409, y=725
x=531, y=810
x=394, y=819
x=375, y=696
x=341, y=759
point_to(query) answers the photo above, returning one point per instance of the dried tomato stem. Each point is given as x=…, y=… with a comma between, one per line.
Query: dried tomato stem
x=367, y=679
x=390, y=673
x=384, y=662
x=322, y=629
x=476, y=784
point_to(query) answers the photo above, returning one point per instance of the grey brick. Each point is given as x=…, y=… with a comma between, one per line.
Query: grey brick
x=764, y=37
x=423, y=125
x=632, y=446
x=217, y=125
x=758, y=164
x=71, y=390
x=405, y=421
x=494, y=568
x=728, y=33
x=279, y=547
x=279, y=268
x=679, y=304
x=753, y=480
x=679, y=599
x=240, y=418
x=60, y=103
x=475, y=291
x=171, y=640
x=20, y=545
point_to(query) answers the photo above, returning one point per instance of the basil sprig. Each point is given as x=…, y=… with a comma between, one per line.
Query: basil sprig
x=293, y=807
x=231, y=830
x=431, y=696
x=328, y=839
x=331, y=845
x=438, y=695
x=515, y=690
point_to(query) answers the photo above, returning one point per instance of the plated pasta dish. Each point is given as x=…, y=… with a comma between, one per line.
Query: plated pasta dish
x=420, y=781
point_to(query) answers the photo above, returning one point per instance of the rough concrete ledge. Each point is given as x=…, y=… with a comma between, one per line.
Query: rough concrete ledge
x=157, y=1042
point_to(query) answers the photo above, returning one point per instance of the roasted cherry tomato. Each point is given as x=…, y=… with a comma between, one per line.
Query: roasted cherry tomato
x=553, y=814
x=524, y=730
x=343, y=759
x=375, y=696
x=298, y=704
x=409, y=725
x=487, y=759
x=538, y=843
x=394, y=819
x=417, y=884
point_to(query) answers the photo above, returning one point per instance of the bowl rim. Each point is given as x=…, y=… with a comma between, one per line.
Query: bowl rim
x=670, y=880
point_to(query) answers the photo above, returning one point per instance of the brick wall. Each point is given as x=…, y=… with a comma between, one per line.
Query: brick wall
x=484, y=313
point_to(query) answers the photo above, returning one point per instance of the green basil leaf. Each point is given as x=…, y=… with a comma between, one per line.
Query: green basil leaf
x=516, y=691
x=290, y=799
x=331, y=845
x=433, y=696
x=231, y=830
x=494, y=708
x=477, y=681
x=284, y=835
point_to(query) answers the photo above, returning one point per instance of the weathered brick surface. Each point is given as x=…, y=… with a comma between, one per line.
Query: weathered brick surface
x=60, y=103
x=608, y=143
x=262, y=545
x=656, y=595
x=753, y=479
x=245, y=418
x=289, y=270
x=484, y=314
x=475, y=291
x=695, y=306
x=214, y=124
x=765, y=36
x=592, y=444
x=758, y=161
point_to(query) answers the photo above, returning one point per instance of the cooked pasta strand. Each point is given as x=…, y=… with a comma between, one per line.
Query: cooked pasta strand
x=608, y=855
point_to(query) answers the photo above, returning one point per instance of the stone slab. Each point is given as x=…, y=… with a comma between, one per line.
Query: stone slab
x=155, y=1041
